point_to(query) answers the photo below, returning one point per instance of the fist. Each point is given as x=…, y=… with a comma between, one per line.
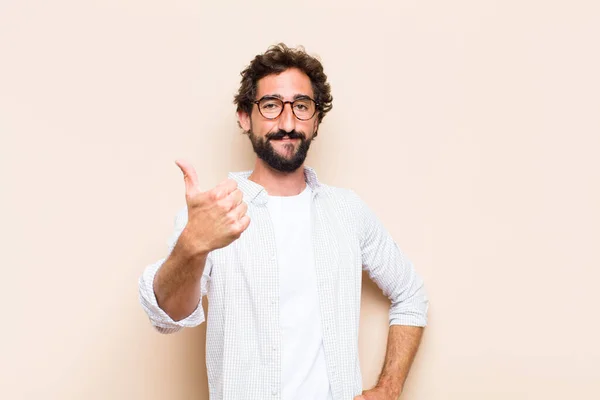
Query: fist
x=215, y=218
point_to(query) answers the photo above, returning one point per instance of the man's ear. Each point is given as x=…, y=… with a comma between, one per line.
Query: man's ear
x=316, y=128
x=244, y=120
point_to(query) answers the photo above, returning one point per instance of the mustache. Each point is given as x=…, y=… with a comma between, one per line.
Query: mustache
x=281, y=134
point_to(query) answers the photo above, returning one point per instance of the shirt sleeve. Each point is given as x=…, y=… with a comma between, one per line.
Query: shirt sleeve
x=392, y=271
x=158, y=317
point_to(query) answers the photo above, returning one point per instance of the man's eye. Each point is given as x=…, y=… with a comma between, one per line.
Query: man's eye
x=270, y=106
x=301, y=107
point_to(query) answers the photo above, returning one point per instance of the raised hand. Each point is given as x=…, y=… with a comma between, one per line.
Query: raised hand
x=217, y=217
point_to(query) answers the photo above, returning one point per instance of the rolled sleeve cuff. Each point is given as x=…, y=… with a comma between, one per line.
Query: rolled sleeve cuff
x=409, y=320
x=158, y=317
x=413, y=314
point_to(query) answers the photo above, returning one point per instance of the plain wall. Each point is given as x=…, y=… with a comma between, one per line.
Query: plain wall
x=471, y=128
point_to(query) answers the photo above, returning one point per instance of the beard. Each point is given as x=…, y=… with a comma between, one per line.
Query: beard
x=265, y=151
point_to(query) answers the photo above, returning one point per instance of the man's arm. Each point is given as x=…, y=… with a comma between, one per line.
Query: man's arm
x=177, y=284
x=395, y=275
x=171, y=290
x=159, y=303
x=402, y=345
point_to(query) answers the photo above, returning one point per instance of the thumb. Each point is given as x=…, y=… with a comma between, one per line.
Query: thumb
x=189, y=177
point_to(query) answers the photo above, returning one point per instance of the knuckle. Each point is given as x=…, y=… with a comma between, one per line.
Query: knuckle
x=231, y=220
x=193, y=200
x=237, y=230
x=212, y=195
x=230, y=204
x=224, y=205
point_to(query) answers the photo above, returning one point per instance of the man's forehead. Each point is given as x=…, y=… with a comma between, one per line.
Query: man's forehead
x=288, y=84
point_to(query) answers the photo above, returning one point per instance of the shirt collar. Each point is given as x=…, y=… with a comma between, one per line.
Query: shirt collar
x=258, y=195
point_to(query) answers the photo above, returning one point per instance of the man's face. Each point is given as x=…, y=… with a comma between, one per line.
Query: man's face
x=283, y=142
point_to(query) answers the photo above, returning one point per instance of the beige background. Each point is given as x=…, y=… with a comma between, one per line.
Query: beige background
x=470, y=127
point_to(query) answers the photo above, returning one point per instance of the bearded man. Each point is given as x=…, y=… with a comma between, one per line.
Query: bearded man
x=280, y=256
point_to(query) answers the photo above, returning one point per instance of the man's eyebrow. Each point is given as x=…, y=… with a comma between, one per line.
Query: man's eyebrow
x=280, y=97
x=301, y=96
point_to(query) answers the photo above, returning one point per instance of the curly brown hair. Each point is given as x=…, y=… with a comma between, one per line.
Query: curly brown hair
x=275, y=60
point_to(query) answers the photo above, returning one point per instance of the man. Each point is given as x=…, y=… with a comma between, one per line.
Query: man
x=280, y=256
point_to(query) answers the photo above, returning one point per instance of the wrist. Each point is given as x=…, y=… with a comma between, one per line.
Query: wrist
x=392, y=390
x=190, y=247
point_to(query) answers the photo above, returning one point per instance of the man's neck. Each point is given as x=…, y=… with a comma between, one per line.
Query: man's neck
x=278, y=183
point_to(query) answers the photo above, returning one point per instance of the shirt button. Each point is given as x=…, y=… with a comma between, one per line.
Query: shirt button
x=272, y=257
x=274, y=392
x=274, y=348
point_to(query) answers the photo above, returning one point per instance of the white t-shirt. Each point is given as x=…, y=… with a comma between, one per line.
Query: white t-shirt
x=303, y=374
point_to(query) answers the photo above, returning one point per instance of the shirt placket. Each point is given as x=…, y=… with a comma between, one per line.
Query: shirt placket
x=272, y=311
x=325, y=248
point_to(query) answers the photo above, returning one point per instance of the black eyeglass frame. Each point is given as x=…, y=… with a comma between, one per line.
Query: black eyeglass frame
x=291, y=103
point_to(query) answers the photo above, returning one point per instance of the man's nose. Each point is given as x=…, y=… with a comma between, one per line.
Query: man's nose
x=287, y=120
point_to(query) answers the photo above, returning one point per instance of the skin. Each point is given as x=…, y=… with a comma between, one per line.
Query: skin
x=218, y=217
x=403, y=343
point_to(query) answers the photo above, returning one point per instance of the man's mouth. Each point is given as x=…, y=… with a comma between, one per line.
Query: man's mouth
x=283, y=139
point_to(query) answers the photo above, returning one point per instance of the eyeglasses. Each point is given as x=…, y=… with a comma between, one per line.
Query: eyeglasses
x=303, y=108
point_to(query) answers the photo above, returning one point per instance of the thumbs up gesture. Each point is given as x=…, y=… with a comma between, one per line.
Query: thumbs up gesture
x=217, y=217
